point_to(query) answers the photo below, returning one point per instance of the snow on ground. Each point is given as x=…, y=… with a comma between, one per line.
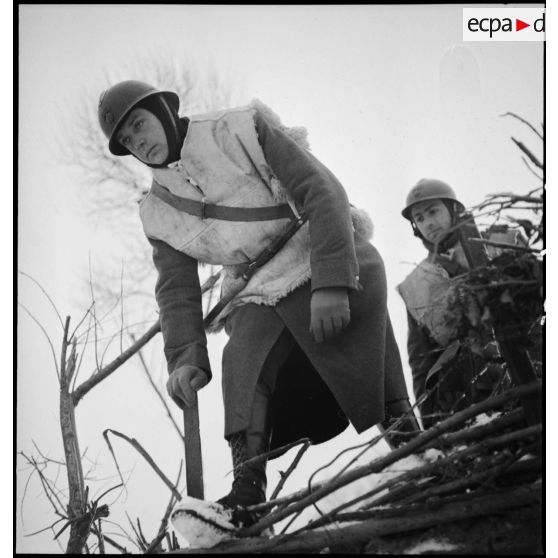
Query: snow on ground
x=483, y=418
x=204, y=524
x=367, y=483
x=201, y=524
x=431, y=546
x=360, y=487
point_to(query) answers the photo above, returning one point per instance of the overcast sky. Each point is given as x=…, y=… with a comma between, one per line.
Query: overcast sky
x=389, y=95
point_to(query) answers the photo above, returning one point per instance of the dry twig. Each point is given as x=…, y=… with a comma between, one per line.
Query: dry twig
x=381, y=463
x=139, y=448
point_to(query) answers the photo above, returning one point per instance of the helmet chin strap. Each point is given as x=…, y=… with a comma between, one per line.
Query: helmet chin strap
x=174, y=127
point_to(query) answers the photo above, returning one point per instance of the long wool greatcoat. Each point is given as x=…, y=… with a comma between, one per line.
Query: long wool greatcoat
x=350, y=377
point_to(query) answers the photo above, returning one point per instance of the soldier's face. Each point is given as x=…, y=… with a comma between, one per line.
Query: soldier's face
x=143, y=135
x=432, y=218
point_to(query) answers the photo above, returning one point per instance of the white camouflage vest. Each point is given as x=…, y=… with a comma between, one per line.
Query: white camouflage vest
x=426, y=293
x=223, y=162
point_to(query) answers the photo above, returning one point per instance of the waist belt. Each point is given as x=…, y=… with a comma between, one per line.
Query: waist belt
x=205, y=210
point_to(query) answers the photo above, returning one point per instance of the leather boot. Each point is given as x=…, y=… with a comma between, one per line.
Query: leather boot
x=249, y=484
x=408, y=427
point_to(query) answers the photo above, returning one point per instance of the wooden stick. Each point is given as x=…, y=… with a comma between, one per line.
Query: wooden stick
x=107, y=370
x=192, y=451
x=139, y=448
x=285, y=476
x=474, y=479
x=366, y=530
x=451, y=439
x=77, y=498
x=507, y=246
x=407, y=487
x=405, y=450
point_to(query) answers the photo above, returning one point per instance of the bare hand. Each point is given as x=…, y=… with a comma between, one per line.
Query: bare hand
x=329, y=313
x=183, y=384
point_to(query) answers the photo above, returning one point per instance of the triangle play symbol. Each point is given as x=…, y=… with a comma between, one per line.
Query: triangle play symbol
x=519, y=25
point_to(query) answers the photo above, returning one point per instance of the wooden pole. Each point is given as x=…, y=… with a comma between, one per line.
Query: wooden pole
x=192, y=449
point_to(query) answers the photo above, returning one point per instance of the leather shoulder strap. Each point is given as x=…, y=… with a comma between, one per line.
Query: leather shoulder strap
x=205, y=210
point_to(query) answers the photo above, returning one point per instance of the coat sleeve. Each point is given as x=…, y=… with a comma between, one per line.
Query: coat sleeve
x=422, y=355
x=333, y=258
x=178, y=295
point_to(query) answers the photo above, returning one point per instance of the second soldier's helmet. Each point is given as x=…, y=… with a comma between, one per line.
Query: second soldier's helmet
x=430, y=189
x=118, y=100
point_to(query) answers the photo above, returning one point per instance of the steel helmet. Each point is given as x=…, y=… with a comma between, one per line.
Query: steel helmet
x=429, y=189
x=118, y=100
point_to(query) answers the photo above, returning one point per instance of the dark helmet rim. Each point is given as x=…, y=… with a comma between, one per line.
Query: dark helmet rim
x=407, y=211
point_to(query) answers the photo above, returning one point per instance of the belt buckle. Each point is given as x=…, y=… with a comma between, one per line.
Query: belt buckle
x=249, y=270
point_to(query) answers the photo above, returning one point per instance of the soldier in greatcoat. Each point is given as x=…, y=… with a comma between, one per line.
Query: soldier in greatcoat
x=311, y=347
x=447, y=375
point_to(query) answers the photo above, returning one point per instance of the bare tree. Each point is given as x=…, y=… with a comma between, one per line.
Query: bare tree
x=480, y=469
x=70, y=501
x=120, y=289
x=113, y=186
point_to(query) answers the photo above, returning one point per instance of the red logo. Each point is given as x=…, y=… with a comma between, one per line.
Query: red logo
x=519, y=25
